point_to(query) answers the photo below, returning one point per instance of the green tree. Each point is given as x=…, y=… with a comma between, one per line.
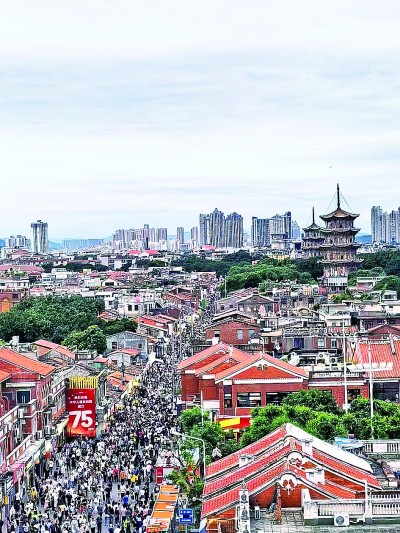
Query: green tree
x=326, y=426
x=117, y=326
x=390, y=283
x=50, y=317
x=90, y=339
x=317, y=400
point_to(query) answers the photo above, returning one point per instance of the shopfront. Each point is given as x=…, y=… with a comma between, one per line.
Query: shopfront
x=16, y=473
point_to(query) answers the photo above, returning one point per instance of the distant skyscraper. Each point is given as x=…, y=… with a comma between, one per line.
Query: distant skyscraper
x=385, y=227
x=260, y=235
x=180, y=234
x=217, y=222
x=233, y=231
x=221, y=231
x=296, y=232
x=194, y=234
x=40, y=240
x=161, y=234
x=204, y=223
x=18, y=242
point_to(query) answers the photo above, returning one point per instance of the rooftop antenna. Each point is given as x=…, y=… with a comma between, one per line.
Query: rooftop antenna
x=313, y=216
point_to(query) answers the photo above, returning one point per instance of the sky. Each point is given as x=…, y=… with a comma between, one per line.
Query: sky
x=116, y=114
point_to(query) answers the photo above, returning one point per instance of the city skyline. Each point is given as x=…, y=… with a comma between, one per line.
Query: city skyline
x=165, y=112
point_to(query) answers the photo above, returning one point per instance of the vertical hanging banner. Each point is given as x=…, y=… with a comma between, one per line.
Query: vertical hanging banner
x=81, y=407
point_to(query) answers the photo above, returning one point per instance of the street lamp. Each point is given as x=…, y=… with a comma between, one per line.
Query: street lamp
x=174, y=432
x=371, y=367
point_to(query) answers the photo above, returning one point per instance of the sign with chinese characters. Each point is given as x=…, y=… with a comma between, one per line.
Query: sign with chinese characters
x=81, y=407
x=186, y=516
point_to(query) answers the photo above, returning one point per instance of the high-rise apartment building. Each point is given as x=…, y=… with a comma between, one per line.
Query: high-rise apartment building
x=180, y=234
x=161, y=234
x=296, y=231
x=221, y=231
x=17, y=242
x=385, y=227
x=204, y=223
x=40, y=237
x=139, y=238
x=233, y=231
x=194, y=234
x=260, y=236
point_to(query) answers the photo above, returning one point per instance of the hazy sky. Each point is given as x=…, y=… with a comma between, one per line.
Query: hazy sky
x=124, y=112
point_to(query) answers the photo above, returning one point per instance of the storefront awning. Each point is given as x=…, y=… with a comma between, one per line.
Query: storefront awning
x=61, y=426
x=32, y=453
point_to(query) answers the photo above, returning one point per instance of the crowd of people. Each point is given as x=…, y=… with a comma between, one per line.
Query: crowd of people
x=107, y=484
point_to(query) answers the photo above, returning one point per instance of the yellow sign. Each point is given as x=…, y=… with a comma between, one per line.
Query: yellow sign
x=229, y=422
x=84, y=382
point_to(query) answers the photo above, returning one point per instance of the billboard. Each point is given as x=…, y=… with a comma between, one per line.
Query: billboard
x=81, y=407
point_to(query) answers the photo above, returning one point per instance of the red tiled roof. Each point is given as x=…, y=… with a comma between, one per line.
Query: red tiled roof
x=235, y=478
x=56, y=347
x=15, y=358
x=236, y=355
x=4, y=375
x=348, y=470
x=229, y=498
x=252, y=449
x=381, y=352
x=278, y=363
x=127, y=351
x=221, y=347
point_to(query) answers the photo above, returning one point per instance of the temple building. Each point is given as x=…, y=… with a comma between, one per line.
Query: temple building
x=335, y=244
x=312, y=239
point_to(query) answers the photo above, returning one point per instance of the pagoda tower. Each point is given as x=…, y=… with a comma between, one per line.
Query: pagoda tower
x=339, y=249
x=312, y=239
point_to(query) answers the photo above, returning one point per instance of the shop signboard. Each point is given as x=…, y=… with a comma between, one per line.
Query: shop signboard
x=18, y=471
x=81, y=407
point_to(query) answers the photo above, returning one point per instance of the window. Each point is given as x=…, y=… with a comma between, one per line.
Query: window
x=217, y=333
x=129, y=307
x=333, y=343
x=239, y=334
x=114, y=345
x=321, y=343
x=222, y=307
x=227, y=400
x=23, y=396
x=386, y=391
x=251, y=333
x=248, y=399
x=139, y=346
x=352, y=394
x=276, y=398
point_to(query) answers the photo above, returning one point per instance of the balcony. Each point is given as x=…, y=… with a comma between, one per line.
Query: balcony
x=380, y=507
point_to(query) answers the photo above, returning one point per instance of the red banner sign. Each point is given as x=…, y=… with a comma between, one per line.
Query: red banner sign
x=81, y=406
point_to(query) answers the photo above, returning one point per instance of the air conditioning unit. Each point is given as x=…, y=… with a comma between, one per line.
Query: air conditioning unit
x=21, y=413
x=9, y=426
x=257, y=512
x=39, y=434
x=341, y=519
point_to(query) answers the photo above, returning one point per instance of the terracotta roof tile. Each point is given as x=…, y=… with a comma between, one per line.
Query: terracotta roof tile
x=24, y=362
x=221, y=347
x=278, y=363
x=236, y=355
x=381, y=352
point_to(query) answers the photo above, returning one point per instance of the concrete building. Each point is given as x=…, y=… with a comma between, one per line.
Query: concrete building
x=260, y=236
x=40, y=238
